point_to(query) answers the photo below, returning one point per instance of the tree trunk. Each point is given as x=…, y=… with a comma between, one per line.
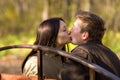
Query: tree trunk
x=45, y=10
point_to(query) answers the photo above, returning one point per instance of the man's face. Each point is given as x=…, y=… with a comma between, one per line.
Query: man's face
x=76, y=35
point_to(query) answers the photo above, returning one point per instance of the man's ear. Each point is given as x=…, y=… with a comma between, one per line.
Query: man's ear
x=85, y=35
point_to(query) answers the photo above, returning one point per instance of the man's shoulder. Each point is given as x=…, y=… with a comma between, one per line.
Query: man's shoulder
x=84, y=47
x=81, y=50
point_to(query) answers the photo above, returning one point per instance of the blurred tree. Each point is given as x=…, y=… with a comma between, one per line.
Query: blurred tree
x=45, y=10
x=17, y=16
x=22, y=17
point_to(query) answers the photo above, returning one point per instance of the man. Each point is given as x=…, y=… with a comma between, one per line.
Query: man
x=87, y=33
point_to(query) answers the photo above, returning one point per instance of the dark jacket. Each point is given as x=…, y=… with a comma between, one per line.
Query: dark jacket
x=93, y=51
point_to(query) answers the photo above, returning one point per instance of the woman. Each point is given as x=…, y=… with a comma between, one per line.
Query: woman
x=52, y=33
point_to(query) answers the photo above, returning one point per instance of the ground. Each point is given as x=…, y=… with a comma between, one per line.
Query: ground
x=11, y=64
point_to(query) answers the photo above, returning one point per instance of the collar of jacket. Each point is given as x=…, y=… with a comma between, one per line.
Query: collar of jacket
x=95, y=41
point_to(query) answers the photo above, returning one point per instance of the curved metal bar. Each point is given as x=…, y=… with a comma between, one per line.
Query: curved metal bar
x=65, y=54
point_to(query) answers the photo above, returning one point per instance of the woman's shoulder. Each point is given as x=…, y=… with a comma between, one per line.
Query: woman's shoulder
x=30, y=68
x=32, y=59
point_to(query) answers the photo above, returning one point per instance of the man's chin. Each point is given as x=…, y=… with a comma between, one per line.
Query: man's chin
x=74, y=43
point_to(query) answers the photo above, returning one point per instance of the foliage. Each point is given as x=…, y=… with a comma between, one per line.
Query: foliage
x=20, y=18
x=15, y=40
x=111, y=40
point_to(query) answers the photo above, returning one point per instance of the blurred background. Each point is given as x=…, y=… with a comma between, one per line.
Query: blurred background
x=19, y=20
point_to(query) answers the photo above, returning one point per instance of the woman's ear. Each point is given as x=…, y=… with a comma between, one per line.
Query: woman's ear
x=85, y=35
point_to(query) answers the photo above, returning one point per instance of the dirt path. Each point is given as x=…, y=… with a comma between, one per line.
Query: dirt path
x=12, y=64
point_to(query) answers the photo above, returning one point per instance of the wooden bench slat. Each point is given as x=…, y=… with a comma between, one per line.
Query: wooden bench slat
x=4, y=76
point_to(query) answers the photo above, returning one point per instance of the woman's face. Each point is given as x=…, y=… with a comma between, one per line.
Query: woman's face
x=63, y=34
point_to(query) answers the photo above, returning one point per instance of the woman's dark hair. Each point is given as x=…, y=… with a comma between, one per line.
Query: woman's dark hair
x=46, y=35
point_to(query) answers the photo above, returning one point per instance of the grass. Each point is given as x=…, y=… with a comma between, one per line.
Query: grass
x=110, y=39
x=15, y=40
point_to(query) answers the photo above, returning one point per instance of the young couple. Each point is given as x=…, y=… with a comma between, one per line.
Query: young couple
x=87, y=32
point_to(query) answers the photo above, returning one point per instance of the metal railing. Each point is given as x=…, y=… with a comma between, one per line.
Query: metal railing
x=93, y=67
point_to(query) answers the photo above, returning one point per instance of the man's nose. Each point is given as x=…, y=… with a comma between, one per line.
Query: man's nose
x=69, y=32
